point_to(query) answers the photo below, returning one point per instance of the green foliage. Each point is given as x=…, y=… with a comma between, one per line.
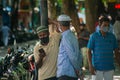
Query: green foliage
x=104, y=0
x=37, y=3
x=59, y=2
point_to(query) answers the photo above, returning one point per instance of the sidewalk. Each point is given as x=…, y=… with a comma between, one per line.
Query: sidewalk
x=88, y=77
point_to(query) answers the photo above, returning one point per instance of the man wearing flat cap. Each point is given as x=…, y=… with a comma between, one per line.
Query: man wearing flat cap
x=46, y=52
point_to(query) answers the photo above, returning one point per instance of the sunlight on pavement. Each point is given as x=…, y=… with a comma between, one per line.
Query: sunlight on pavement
x=88, y=77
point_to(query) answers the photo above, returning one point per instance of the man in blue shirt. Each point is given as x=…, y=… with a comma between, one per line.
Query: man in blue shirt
x=101, y=48
x=69, y=57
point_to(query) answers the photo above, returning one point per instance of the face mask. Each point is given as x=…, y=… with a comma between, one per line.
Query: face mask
x=44, y=40
x=105, y=29
x=59, y=29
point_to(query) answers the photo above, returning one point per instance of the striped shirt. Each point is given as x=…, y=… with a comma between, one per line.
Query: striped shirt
x=102, y=50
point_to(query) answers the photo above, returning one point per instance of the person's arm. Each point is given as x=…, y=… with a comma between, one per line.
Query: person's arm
x=85, y=37
x=50, y=21
x=117, y=56
x=116, y=50
x=39, y=63
x=55, y=23
x=38, y=58
x=91, y=46
x=73, y=54
x=89, y=56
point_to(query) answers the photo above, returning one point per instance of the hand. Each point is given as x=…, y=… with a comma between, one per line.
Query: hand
x=80, y=37
x=92, y=70
x=81, y=77
x=117, y=56
x=118, y=60
x=50, y=21
x=42, y=53
x=80, y=74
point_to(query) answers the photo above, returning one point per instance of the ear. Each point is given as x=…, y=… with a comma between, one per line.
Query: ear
x=57, y=30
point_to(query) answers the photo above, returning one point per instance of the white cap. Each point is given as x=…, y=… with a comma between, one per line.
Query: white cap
x=63, y=17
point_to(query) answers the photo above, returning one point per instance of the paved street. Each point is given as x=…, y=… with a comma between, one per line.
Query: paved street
x=3, y=51
x=116, y=75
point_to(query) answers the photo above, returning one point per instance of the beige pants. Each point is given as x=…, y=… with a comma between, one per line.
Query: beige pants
x=84, y=53
x=103, y=75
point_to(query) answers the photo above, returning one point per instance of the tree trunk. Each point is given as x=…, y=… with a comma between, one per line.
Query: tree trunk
x=91, y=14
x=32, y=3
x=52, y=9
x=14, y=15
x=69, y=8
x=52, y=14
x=100, y=8
x=44, y=13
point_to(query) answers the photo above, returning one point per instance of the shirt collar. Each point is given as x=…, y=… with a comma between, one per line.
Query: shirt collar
x=65, y=31
x=101, y=33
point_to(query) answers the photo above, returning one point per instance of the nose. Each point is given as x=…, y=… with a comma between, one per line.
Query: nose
x=42, y=36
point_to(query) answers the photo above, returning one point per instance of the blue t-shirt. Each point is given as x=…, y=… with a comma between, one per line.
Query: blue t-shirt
x=102, y=50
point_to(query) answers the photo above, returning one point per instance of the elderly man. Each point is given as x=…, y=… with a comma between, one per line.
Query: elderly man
x=69, y=57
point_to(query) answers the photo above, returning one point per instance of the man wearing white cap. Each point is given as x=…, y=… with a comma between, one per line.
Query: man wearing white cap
x=69, y=57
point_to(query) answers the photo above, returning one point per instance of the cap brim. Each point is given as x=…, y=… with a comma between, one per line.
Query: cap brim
x=42, y=30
